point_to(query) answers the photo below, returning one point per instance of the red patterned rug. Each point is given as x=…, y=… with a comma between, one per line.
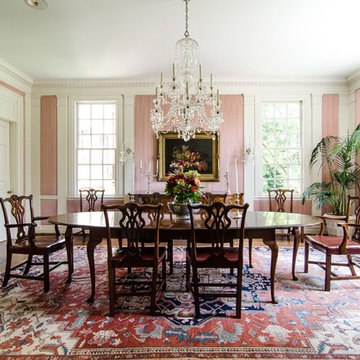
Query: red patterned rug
x=308, y=323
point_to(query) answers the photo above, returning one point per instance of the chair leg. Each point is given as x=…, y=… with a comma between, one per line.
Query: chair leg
x=351, y=266
x=306, y=257
x=153, y=290
x=196, y=291
x=7, y=269
x=28, y=264
x=46, y=273
x=238, y=292
x=164, y=273
x=83, y=235
x=250, y=252
x=232, y=245
x=111, y=291
x=187, y=275
x=171, y=255
x=328, y=272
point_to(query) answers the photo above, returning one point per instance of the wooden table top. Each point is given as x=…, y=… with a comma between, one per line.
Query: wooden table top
x=254, y=220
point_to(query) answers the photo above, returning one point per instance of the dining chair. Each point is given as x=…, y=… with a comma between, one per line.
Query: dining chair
x=216, y=231
x=132, y=219
x=346, y=246
x=88, y=202
x=20, y=225
x=155, y=199
x=280, y=200
x=209, y=198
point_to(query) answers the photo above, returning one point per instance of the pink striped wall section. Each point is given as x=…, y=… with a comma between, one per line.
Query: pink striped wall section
x=231, y=142
x=48, y=145
x=48, y=207
x=357, y=107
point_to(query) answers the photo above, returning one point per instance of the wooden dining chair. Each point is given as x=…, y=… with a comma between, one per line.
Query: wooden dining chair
x=155, y=199
x=219, y=256
x=209, y=198
x=280, y=200
x=19, y=218
x=346, y=246
x=89, y=202
x=132, y=220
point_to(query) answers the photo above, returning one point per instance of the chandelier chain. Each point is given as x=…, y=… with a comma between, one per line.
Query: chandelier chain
x=186, y=33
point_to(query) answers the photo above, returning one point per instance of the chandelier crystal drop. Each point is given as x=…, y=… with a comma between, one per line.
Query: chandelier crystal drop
x=187, y=104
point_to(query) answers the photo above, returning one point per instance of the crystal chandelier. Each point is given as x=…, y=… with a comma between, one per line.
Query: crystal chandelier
x=187, y=104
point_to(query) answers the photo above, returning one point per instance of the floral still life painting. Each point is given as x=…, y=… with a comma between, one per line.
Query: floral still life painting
x=200, y=154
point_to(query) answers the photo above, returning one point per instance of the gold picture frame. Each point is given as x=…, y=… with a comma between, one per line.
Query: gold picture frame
x=201, y=154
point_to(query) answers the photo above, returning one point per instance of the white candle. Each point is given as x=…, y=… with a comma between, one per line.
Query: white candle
x=236, y=178
x=157, y=166
x=149, y=167
x=227, y=166
x=141, y=165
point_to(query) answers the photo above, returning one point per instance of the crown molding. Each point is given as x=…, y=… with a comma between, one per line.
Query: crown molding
x=15, y=73
x=353, y=77
x=128, y=84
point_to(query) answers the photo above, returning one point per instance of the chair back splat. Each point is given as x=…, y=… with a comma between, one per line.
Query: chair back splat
x=131, y=218
x=218, y=229
x=279, y=198
x=91, y=196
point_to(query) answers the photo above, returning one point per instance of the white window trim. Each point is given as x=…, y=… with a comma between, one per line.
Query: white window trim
x=72, y=140
x=305, y=141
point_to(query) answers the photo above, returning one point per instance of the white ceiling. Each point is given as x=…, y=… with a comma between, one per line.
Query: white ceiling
x=135, y=39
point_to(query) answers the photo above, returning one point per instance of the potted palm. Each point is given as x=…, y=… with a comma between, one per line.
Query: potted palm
x=339, y=156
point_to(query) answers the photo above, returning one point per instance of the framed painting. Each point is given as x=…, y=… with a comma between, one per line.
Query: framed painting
x=201, y=154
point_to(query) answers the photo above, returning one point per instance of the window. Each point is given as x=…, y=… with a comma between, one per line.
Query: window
x=96, y=145
x=281, y=145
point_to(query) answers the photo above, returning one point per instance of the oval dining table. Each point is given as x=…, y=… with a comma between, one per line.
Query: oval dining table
x=258, y=225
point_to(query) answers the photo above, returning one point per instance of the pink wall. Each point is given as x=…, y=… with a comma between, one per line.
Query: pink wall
x=231, y=142
x=48, y=145
x=357, y=107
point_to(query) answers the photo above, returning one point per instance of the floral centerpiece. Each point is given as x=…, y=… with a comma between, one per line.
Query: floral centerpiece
x=184, y=186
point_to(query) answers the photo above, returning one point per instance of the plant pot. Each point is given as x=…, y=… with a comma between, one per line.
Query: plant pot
x=332, y=225
x=181, y=211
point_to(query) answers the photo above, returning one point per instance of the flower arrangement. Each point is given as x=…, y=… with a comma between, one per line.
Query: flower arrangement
x=185, y=186
x=188, y=160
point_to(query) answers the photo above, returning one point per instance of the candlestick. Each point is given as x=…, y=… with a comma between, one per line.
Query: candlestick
x=149, y=175
x=236, y=178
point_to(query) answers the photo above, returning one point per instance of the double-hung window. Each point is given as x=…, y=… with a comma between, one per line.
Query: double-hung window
x=96, y=145
x=281, y=146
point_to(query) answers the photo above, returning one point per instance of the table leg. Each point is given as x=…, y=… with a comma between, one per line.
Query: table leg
x=95, y=238
x=297, y=238
x=70, y=251
x=270, y=240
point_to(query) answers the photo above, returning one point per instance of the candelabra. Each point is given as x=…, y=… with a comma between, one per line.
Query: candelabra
x=226, y=176
x=238, y=214
x=149, y=175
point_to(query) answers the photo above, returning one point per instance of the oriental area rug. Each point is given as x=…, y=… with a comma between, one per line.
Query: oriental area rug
x=307, y=323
